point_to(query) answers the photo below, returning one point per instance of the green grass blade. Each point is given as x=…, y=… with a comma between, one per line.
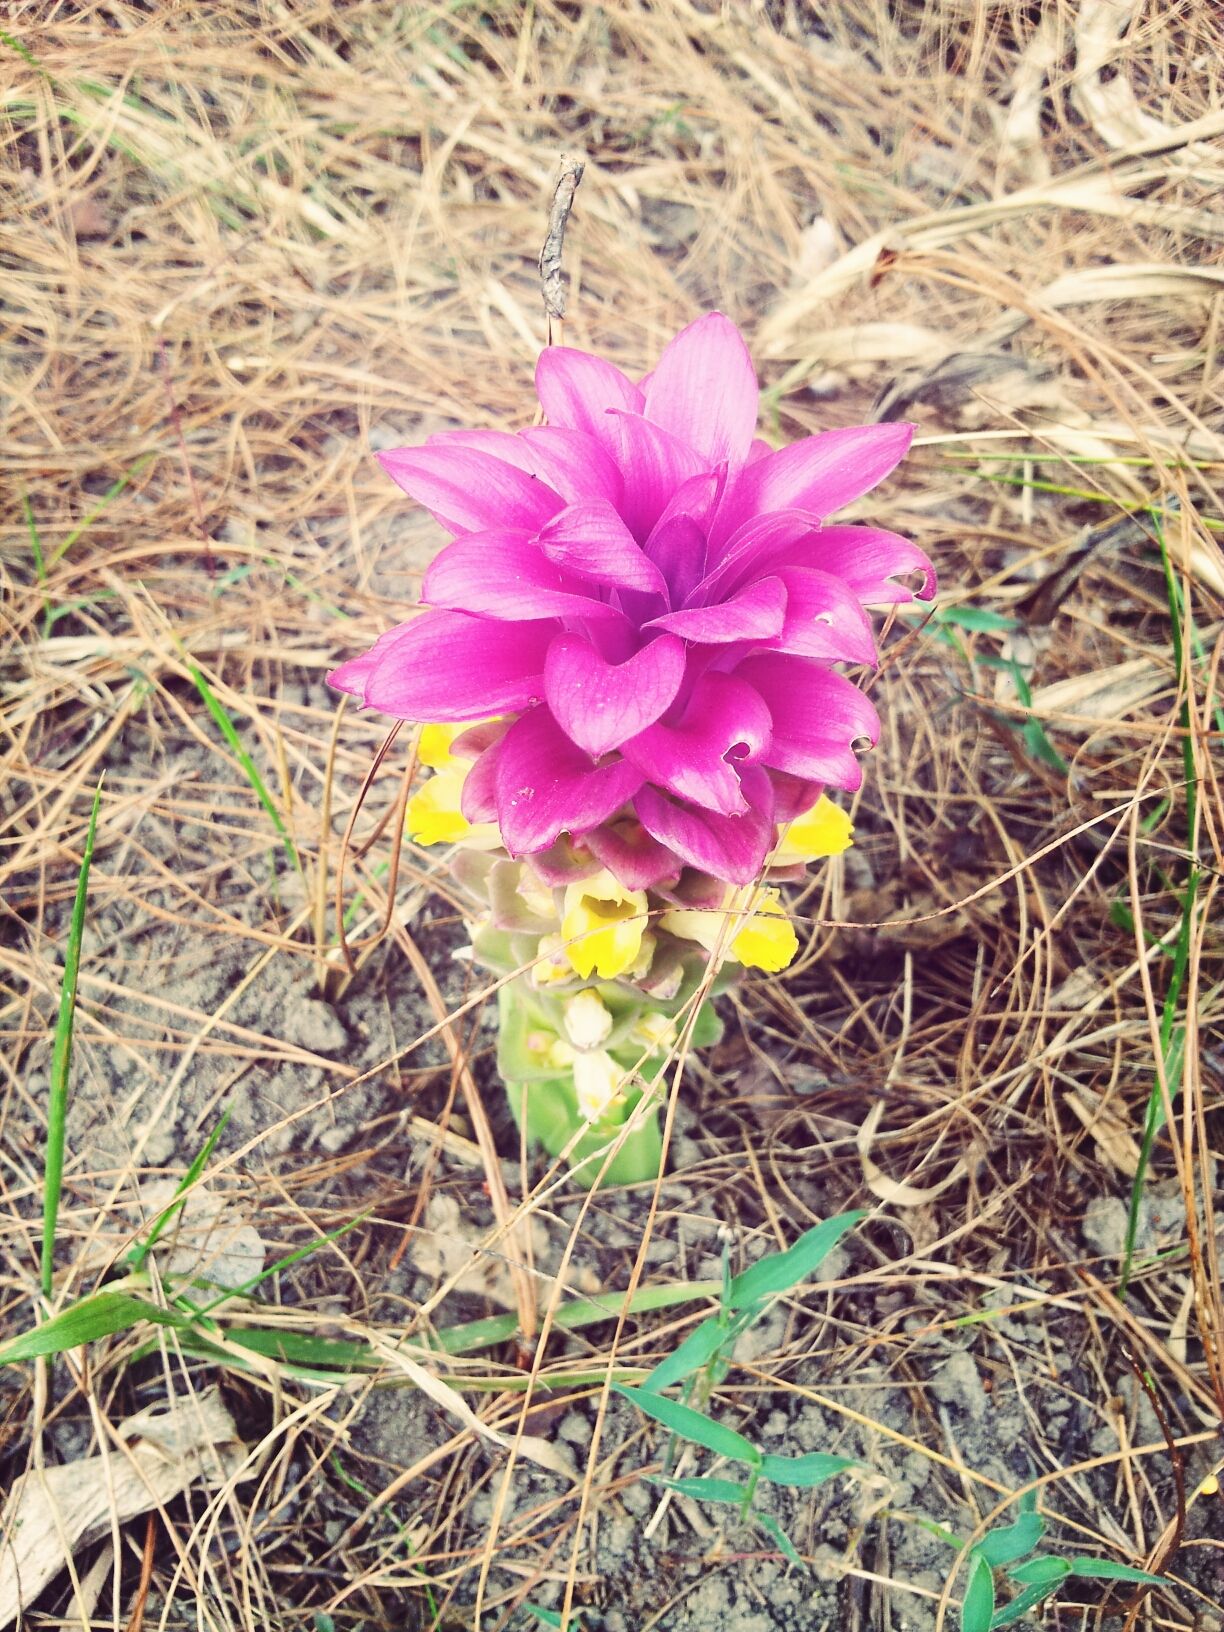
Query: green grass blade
x=780, y=1538
x=99, y=1316
x=1012, y=1542
x=61, y=1059
x=692, y=1425
x=142, y=1249
x=805, y=1472
x=294, y=1257
x=707, y=1490
x=112, y=493
x=1104, y=1569
x=779, y=1271
x=1154, y=1116
x=227, y=728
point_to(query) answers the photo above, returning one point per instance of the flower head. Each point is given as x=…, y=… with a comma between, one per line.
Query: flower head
x=654, y=602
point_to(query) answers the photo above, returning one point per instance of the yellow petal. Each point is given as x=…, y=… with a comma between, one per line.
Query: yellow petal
x=605, y=924
x=824, y=830
x=433, y=815
x=434, y=745
x=768, y=940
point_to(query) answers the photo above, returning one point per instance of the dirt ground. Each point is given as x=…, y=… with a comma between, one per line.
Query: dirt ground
x=243, y=247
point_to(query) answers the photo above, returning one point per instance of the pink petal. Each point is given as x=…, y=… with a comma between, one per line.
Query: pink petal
x=546, y=785
x=600, y=705
x=576, y=391
x=630, y=854
x=792, y=795
x=655, y=465
x=732, y=848
x=758, y=612
x=754, y=549
x=468, y=490
x=821, y=474
x=817, y=716
x=572, y=463
x=505, y=576
x=869, y=558
x=824, y=618
x=677, y=542
x=725, y=719
x=449, y=666
x=677, y=547
x=704, y=390
x=478, y=796
x=593, y=541
x=575, y=463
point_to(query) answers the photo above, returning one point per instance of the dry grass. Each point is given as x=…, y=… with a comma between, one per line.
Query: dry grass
x=241, y=245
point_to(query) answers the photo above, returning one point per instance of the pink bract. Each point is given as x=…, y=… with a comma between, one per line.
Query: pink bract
x=653, y=597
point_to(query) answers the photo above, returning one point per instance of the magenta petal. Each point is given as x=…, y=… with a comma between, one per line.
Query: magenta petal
x=576, y=391
x=505, y=576
x=824, y=618
x=821, y=474
x=468, y=490
x=599, y=704
x=630, y=854
x=655, y=465
x=869, y=558
x=754, y=549
x=732, y=848
x=792, y=795
x=704, y=390
x=725, y=720
x=449, y=666
x=817, y=717
x=593, y=541
x=547, y=785
x=478, y=796
x=758, y=612
x=574, y=463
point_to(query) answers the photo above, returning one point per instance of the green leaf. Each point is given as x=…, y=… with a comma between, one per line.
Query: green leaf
x=1015, y=1541
x=775, y=1531
x=1041, y=1572
x=1104, y=1569
x=805, y=1472
x=707, y=1490
x=102, y=1315
x=1020, y=1606
x=697, y=1350
x=779, y=1271
x=977, y=1611
x=692, y=1425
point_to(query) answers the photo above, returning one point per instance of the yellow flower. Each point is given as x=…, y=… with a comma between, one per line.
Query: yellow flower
x=750, y=926
x=434, y=815
x=605, y=923
x=824, y=830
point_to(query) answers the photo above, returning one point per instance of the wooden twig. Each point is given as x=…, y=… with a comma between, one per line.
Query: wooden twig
x=552, y=282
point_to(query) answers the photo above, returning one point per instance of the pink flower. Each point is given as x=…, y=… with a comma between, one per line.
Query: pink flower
x=653, y=597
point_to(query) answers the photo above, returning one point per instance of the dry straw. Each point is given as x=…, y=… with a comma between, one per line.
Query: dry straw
x=243, y=246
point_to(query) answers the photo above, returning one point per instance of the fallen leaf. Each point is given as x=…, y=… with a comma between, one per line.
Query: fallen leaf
x=53, y=1513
